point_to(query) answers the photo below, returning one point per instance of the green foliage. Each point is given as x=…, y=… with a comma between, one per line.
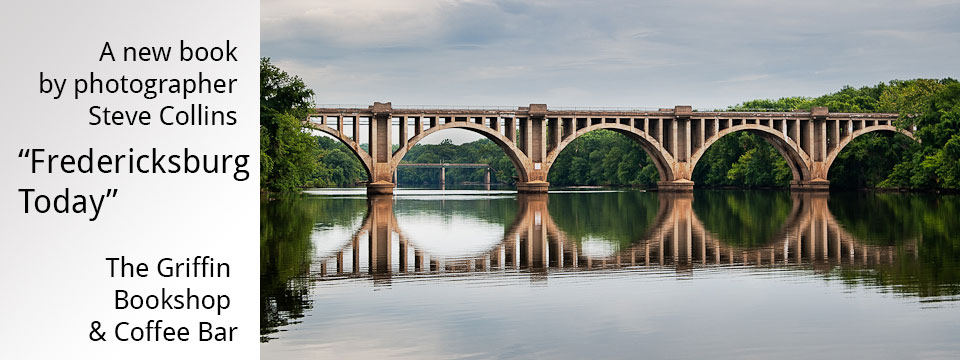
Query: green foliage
x=288, y=154
x=292, y=158
x=482, y=151
x=871, y=160
x=781, y=104
x=923, y=227
x=337, y=166
x=494, y=210
x=287, y=253
x=933, y=107
x=742, y=159
x=742, y=218
x=604, y=157
x=616, y=218
x=868, y=160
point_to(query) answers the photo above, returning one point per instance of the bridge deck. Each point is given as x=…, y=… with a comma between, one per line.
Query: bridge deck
x=524, y=111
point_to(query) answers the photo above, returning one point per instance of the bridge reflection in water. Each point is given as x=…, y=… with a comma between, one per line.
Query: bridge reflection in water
x=675, y=237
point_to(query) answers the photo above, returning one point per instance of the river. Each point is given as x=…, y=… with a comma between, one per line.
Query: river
x=596, y=273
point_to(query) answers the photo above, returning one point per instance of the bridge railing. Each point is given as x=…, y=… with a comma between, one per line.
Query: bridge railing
x=602, y=109
x=551, y=108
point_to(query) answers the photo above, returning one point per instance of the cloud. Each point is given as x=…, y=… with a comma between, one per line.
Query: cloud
x=604, y=53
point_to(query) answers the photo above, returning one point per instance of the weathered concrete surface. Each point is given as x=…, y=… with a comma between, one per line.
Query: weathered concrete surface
x=533, y=137
x=533, y=187
x=380, y=188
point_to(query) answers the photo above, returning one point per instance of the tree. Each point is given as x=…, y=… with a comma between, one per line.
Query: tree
x=287, y=152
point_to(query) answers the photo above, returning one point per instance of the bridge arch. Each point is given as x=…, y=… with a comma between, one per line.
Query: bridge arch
x=660, y=157
x=514, y=153
x=796, y=159
x=832, y=156
x=355, y=148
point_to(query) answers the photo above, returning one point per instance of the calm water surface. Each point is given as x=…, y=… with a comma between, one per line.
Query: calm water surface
x=481, y=274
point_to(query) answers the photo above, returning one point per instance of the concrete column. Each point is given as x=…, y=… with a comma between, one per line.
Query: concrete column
x=417, y=125
x=796, y=132
x=836, y=134
x=443, y=175
x=486, y=176
x=381, y=150
x=703, y=139
x=674, y=136
x=525, y=135
x=387, y=138
x=373, y=145
x=340, y=125
x=538, y=139
x=553, y=133
x=403, y=132
x=823, y=140
x=661, y=133
x=356, y=129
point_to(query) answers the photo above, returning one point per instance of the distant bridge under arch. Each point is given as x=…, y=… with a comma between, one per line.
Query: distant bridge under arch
x=533, y=136
x=487, y=169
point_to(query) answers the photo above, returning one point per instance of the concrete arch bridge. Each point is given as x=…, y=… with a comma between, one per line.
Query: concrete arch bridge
x=533, y=137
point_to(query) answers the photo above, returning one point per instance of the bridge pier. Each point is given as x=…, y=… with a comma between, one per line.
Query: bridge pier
x=533, y=187
x=682, y=185
x=380, y=188
x=815, y=185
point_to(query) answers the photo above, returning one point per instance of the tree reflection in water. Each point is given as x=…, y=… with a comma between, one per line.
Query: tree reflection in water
x=882, y=240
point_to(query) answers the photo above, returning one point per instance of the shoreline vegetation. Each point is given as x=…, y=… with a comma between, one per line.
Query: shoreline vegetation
x=292, y=159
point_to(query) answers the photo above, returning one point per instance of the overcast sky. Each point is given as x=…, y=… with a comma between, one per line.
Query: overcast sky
x=604, y=53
